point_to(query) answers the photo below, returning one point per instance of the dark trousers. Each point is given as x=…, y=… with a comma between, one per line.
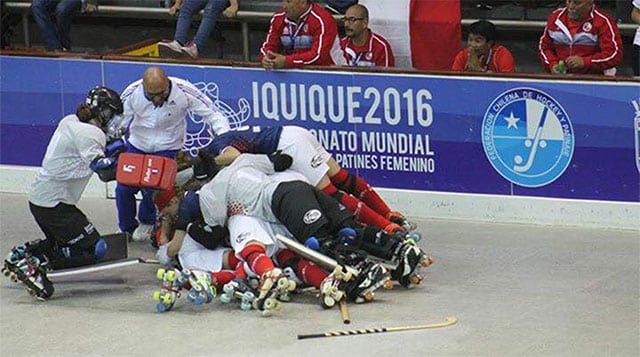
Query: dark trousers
x=307, y=211
x=70, y=237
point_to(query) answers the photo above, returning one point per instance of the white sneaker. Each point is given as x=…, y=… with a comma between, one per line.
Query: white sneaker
x=172, y=45
x=191, y=49
x=142, y=233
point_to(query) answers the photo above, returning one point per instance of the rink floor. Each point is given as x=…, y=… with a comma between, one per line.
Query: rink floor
x=516, y=290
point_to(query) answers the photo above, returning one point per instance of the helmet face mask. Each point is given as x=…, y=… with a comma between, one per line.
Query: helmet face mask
x=105, y=104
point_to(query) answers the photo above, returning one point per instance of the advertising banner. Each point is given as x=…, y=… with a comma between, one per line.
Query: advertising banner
x=563, y=139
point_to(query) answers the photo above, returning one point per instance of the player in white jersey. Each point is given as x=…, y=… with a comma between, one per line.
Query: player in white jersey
x=249, y=187
x=76, y=148
x=155, y=111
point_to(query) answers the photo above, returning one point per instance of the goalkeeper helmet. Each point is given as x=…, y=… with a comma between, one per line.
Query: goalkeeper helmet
x=105, y=103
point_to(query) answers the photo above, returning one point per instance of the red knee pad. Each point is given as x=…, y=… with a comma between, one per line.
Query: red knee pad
x=150, y=171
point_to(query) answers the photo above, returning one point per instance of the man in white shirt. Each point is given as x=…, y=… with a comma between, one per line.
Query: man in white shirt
x=155, y=110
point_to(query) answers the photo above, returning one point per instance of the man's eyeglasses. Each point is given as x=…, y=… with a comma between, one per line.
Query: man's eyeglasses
x=162, y=95
x=352, y=19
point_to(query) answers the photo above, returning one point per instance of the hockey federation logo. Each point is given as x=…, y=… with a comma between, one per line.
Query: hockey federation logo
x=527, y=136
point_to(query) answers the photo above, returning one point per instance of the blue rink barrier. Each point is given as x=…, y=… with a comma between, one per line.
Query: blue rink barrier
x=497, y=136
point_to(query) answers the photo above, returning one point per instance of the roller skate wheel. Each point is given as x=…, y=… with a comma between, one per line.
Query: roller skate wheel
x=245, y=306
x=426, y=262
x=369, y=296
x=348, y=275
x=167, y=299
x=388, y=284
x=285, y=297
x=160, y=307
x=328, y=302
x=160, y=274
x=266, y=313
x=249, y=296
x=198, y=300
x=292, y=285
x=283, y=283
x=338, y=295
x=14, y=278
x=415, y=279
x=225, y=299
x=228, y=288
x=156, y=295
x=171, y=275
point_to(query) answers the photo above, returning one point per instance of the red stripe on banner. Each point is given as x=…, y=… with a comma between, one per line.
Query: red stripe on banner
x=434, y=27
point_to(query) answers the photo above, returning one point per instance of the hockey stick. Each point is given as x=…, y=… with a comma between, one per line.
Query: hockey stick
x=344, y=310
x=534, y=148
x=98, y=267
x=448, y=322
x=312, y=255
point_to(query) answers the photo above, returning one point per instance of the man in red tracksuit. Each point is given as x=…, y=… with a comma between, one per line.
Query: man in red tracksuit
x=301, y=34
x=362, y=47
x=584, y=37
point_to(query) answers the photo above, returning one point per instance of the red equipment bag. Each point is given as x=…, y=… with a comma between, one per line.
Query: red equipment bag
x=150, y=171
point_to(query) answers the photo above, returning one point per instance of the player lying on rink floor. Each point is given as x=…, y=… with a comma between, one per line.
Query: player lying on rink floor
x=77, y=147
x=318, y=167
x=253, y=237
x=245, y=186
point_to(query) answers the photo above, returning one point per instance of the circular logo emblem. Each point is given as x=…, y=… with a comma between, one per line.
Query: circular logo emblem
x=527, y=137
x=311, y=216
x=586, y=26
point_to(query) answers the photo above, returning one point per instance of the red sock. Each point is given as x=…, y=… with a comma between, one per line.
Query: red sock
x=308, y=272
x=361, y=211
x=233, y=260
x=258, y=261
x=222, y=277
x=358, y=187
x=240, y=272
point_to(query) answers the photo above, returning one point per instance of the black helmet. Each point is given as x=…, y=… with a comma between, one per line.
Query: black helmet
x=104, y=103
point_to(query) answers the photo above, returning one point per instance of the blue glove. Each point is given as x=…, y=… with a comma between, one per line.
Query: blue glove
x=115, y=148
x=105, y=167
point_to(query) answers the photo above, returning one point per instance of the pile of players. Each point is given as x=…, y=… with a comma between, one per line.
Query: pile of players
x=219, y=229
x=250, y=187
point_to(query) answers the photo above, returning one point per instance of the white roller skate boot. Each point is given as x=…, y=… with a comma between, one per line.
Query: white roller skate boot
x=330, y=288
x=201, y=290
x=22, y=266
x=274, y=288
x=371, y=277
x=173, y=280
x=238, y=289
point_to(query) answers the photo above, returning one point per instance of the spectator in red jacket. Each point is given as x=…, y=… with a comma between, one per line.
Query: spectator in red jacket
x=362, y=47
x=483, y=53
x=582, y=36
x=301, y=34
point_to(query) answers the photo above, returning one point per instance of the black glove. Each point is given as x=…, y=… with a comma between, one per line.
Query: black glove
x=280, y=161
x=210, y=237
x=204, y=167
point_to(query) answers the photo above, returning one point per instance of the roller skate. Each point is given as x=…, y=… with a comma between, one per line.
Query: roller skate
x=21, y=265
x=330, y=288
x=173, y=280
x=274, y=288
x=240, y=290
x=409, y=258
x=201, y=291
x=399, y=219
x=371, y=277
